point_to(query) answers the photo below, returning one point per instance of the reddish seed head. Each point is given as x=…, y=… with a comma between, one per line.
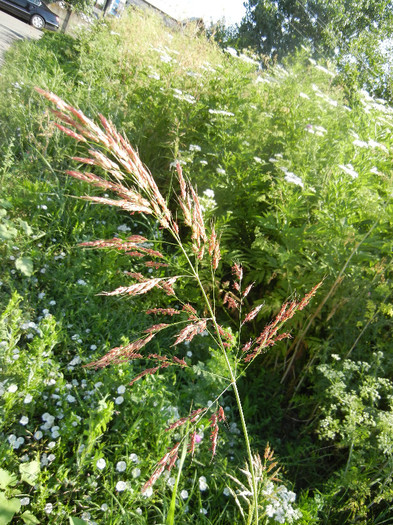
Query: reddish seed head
x=164, y=311
x=238, y=271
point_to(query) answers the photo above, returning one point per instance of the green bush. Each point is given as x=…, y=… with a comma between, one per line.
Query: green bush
x=299, y=175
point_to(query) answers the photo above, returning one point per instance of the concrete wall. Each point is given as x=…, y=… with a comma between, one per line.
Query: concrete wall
x=68, y=20
x=168, y=20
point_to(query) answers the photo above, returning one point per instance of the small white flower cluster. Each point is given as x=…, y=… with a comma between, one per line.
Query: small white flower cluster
x=324, y=70
x=318, y=93
x=15, y=442
x=291, y=177
x=123, y=228
x=186, y=97
x=194, y=147
x=46, y=459
x=231, y=51
x=279, y=507
x=207, y=200
x=202, y=484
x=221, y=112
x=177, y=161
x=349, y=169
x=317, y=130
x=370, y=144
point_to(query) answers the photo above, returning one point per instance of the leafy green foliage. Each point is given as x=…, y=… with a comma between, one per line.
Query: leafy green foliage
x=251, y=138
x=353, y=34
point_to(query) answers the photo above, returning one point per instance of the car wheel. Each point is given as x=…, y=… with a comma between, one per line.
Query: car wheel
x=37, y=21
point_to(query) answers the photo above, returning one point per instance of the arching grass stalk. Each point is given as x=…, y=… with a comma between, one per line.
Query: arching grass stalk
x=136, y=191
x=233, y=381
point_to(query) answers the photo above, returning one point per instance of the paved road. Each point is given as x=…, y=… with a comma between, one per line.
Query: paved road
x=12, y=29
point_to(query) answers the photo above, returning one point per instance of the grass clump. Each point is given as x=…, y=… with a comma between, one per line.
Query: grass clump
x=298, y=175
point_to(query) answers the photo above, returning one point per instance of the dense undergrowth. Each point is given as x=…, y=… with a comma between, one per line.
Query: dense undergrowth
x=298, y=176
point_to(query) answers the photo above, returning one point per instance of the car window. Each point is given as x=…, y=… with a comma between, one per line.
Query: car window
x=36, y=2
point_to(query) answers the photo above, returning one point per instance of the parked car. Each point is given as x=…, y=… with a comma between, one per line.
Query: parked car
x=33, y=11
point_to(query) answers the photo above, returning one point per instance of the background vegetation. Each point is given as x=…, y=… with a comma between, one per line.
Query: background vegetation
x=301, y=184
x=356, y=36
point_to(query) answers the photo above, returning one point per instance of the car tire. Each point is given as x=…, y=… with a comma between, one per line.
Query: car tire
x=37, y=21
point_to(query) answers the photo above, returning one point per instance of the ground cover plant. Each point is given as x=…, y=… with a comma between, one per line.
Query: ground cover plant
x=297, y=173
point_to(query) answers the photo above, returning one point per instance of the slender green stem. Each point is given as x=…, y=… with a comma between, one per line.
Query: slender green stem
x=171, y=514
x=254, y=510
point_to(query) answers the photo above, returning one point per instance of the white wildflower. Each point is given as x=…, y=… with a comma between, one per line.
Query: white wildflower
x=123, y=228
x=121, y=466
x=231, y=51
x=194, y=147
x=294, y=179
x=360, y=143
x=136, y=472
x=120, y=486
x=349, y=169
x=148, y=492
x=101, y=463
x=202, y=484
x=209, y=194
x=221, y=112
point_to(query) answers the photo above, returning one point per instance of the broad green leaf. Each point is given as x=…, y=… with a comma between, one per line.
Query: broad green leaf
x=7, y=479
x=26, y=227
x=8, y=507
x=30, y=471
x=25, y=266
x=29, y=518
x=7, y=232
x=77, y=521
